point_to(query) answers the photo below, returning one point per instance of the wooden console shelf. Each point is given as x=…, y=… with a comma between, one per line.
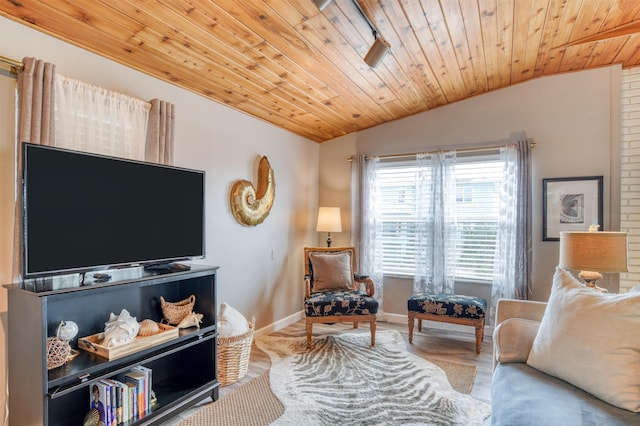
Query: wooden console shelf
x=184, y=368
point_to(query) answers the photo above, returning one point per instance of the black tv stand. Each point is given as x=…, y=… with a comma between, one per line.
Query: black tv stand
x=167, y=267
x=184, y=368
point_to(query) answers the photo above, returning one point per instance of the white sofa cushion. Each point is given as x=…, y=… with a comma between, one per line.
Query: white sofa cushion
x=591, y=340
x=513, y=338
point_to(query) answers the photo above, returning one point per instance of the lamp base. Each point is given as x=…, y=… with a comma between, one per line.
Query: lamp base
x=328, y=239
x=590, y=279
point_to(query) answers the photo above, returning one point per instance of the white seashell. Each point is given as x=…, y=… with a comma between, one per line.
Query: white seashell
x=120, y=330
x=191, y=320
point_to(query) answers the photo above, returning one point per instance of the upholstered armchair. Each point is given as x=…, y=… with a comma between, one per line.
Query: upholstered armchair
x=333, y=289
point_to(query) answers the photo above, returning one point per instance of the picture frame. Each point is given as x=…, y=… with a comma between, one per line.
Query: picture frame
x=570, y=204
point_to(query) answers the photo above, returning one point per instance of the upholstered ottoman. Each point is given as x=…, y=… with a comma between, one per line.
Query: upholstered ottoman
x=450, y=308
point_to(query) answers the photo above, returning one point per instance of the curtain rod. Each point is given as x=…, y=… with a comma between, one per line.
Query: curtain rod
x=476, y=149
x=15, y=65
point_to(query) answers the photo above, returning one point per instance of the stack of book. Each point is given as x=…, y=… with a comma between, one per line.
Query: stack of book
x=126, y=397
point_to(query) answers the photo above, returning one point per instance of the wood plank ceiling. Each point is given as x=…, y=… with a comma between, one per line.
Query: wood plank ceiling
x=288, y=63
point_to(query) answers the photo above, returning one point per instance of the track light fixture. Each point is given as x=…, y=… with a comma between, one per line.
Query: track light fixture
x=378, y=51
x=380, y=47
x=321, y=4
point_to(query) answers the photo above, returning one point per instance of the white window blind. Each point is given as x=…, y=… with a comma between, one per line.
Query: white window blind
x=473, y=219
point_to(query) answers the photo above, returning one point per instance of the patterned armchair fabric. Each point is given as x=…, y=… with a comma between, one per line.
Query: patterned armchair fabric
x=340, y=303
x=334, y=292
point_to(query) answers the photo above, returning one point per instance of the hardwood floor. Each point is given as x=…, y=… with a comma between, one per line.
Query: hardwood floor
x=451, y=345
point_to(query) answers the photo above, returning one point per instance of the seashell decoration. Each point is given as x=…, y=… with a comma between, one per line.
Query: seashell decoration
x=148, y=328
x=120, y=329
x=191, y=320
x=249, y=206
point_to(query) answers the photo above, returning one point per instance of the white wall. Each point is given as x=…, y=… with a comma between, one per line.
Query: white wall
x=574, y=119
x=260, y=267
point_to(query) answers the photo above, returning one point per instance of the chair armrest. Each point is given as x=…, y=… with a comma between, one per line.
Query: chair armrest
x=368, y=283
x=512, y=340
x=307, y=285
x=526, y=309
x=522, y=309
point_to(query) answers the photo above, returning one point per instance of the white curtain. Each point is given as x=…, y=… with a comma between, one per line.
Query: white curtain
x=93, y=119
x=512, y=266
x=367, y=225
x=436, y=223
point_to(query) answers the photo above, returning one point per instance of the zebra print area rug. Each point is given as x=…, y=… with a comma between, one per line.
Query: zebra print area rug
x=342, y=380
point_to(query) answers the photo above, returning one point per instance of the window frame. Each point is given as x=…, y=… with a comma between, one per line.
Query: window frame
x=399, y=163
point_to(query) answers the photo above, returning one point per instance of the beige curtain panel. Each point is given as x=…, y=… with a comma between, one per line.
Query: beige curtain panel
x=160, y=132
x=35, y=125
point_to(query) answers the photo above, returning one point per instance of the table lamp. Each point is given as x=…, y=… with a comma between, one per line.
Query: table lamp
x=592, y=253
x=329, y=221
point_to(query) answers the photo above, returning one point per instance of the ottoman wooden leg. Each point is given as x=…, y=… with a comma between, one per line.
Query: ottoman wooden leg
x=479, y=335
x=411, y=319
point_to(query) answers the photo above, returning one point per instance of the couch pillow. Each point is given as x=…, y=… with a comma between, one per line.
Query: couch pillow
x=513, y=338
x=231, y=322
x=590, y=340
x=331, y=271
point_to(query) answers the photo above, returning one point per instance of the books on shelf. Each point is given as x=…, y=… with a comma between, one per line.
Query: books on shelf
x=125, y=397
x=147, y=384
x=100, y=400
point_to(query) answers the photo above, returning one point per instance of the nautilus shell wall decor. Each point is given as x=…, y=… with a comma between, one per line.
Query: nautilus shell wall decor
x=249, y=206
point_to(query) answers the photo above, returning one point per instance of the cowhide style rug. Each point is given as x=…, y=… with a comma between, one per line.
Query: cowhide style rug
x=342, y=380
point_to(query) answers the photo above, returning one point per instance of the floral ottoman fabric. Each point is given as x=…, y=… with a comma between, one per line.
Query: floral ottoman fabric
x=451, y=305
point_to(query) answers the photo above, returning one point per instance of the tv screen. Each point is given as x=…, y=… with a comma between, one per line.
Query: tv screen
x=87, y=212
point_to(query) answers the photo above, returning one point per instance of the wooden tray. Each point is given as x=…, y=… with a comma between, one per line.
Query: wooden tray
x=93, y=343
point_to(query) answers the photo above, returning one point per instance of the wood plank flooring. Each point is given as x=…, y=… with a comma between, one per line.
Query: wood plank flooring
x=451, y=345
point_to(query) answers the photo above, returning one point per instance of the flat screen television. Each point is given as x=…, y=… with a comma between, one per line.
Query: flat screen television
x=85, y=212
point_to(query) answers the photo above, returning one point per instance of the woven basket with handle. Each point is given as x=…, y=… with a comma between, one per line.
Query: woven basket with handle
x=233, y=356
x=174, y=312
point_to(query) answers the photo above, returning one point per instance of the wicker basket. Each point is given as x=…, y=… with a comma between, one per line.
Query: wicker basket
x=233, y=356
x=174, y=312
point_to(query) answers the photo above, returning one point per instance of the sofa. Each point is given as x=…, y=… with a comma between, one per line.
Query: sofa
x=561, y=389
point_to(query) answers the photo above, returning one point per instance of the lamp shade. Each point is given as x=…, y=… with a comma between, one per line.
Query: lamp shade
x=329, y=220
x=594, y=251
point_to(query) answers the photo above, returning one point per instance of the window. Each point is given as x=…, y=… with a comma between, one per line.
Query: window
x=470, y=215
x=93, y=119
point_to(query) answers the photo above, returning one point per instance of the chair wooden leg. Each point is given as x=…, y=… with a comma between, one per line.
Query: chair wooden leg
x=419, y=324
x=373, y=332
x=355, y=324
x=411, y=323
x=309, y=331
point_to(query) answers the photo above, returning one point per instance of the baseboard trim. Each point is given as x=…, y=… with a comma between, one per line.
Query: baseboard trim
x=279, y=325
x=388, y=317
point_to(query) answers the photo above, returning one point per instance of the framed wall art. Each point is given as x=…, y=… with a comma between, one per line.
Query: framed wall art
x=570, y=204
